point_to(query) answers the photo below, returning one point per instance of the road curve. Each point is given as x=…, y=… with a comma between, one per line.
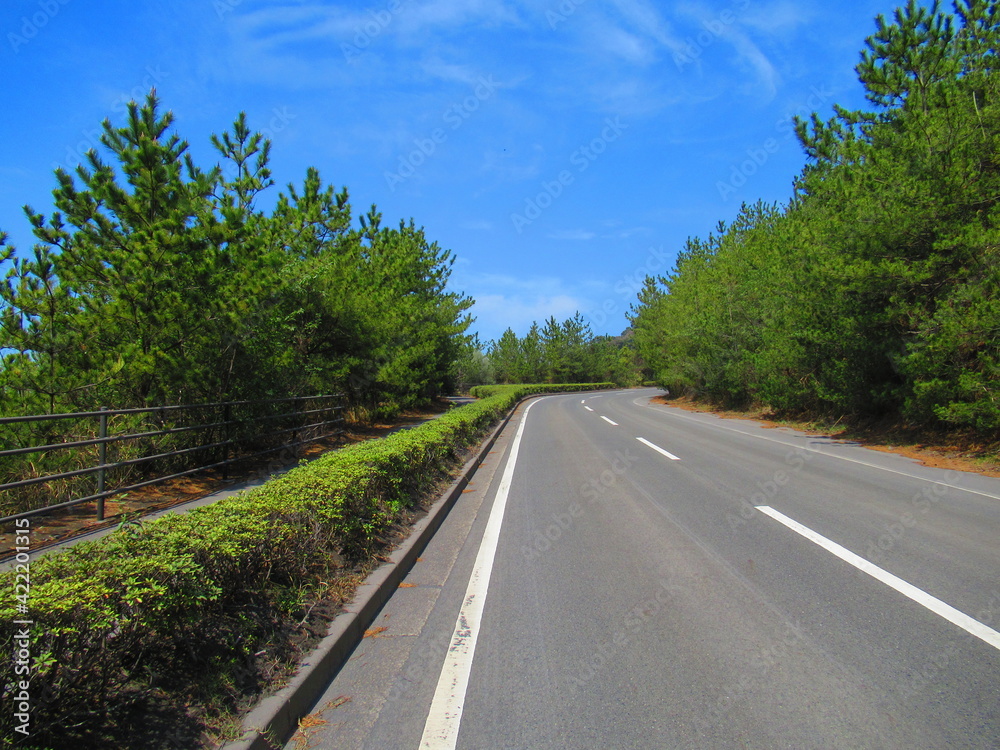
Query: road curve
x=638, y=576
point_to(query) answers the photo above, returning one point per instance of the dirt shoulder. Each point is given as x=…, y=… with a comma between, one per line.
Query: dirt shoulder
x=944, y=449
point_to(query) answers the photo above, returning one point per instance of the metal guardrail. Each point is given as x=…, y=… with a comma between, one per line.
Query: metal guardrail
x=227, y=447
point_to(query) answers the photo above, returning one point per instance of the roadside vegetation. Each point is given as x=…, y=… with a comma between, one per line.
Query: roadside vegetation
x=158, y=281
x=874, y=294
x=566, y=352
x=159, y=634
x=871, y=295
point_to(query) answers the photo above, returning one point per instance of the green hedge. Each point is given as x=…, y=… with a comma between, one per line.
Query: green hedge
x=171, y=611
x=522, y=390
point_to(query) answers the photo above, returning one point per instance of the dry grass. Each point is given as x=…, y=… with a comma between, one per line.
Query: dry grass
x=51, y=530
x=958, y=450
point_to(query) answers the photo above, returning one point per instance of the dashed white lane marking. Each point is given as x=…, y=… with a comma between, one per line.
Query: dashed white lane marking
x=658, y=449
x=609, y=421
x=935, y=605
x=825, y=451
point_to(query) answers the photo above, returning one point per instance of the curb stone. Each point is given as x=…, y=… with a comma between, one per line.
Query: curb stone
x=274, y=720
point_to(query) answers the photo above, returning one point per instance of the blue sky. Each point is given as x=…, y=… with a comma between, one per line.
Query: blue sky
x=562, y=149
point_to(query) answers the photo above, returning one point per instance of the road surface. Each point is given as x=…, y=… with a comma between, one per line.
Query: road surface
x=628, y=575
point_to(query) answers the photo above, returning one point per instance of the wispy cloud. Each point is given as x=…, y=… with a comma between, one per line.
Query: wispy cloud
x=711, y=31
x=516, y=302
x=778, y=18
x=285, y=25
x=454, y=13
x=634, y=32
x=617, y=232
x=752, y=57
x=477, y=225
x=291, y=23
x=435, y=67
x=572, y=234
x=497, y=312
x=623, y=44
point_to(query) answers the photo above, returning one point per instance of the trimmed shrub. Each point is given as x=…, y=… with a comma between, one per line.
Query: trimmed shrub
x=173, y=611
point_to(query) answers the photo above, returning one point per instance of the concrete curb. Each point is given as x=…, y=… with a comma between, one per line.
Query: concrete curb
x=273, y=721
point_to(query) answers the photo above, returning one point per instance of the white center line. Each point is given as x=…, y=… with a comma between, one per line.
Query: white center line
x=952, y=615
x=588, y=408
x=658, y=449
x=445, y=715
x=609, y=421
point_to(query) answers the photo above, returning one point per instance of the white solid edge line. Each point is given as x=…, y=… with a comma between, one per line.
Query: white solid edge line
x=658, y=449
x=609, y=421
x=952, y=615
x=445, y=715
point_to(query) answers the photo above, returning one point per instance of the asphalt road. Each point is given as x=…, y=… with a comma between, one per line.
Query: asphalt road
x=715, y=584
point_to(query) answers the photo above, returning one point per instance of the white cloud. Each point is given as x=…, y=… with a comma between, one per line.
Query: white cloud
x=504, y=301
x=616, y=233
x=645, y=18
x=435, y=67
x=477, y=225
x=635, y=33
x=778, y=18
x=497, y=312
x=421, y=16
x=571, y=234
x=713, y=28
x=751, y=55
x=319, y=45
x=286, y=25
x=623, y=44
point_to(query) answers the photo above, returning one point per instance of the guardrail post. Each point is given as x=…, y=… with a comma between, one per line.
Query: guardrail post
x=226, y=418
x=102, y=452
